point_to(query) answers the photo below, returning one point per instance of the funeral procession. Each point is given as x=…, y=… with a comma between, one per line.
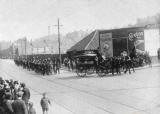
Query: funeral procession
x=80, y=57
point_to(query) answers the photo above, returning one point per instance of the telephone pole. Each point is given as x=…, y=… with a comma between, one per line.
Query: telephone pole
x=12, y=49
x=31, y=47
x=21, y=47
x=44, y=46
x=59, y=41
x=25, y=42
x=49, y=29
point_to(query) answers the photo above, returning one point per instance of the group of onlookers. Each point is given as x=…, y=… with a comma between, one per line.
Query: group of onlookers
x=15, y=98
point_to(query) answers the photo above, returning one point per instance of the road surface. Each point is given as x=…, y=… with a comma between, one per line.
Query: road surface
x=138, y=93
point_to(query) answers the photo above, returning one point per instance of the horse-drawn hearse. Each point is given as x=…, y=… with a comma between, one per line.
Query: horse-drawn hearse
x=90, y=62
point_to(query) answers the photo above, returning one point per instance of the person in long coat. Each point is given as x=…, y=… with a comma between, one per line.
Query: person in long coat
x=26, y=94
x=19, y=106
x=8, y=104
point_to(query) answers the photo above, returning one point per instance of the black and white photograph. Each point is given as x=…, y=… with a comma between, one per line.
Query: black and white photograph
x=79, y=56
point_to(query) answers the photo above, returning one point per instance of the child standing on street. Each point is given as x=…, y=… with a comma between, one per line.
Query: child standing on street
x=45, y=103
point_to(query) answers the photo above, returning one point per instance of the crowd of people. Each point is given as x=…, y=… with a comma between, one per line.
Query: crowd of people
x=14, y=98
x=44, y=66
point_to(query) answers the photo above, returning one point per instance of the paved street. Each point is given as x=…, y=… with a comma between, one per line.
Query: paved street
x=138, y=93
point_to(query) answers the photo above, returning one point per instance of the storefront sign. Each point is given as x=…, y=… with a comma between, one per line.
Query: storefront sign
x=136, y=36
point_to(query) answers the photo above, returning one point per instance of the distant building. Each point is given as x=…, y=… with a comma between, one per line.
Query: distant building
x=28, y=48
x=22, y=46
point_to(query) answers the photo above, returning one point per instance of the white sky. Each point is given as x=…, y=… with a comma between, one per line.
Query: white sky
x=31, y=18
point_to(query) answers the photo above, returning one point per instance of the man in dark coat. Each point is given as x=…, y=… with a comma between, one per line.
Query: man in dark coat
x=19, y=106
x=113, y=65
x=26, y=94
x=127, y=64
x=8, y=104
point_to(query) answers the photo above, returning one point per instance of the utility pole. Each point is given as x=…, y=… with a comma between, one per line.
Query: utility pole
x=49, y=29
x=59, y=41
x=31, y=47
x=12, y=49
x=21, y=47
x=44, y=46
x=25, y=44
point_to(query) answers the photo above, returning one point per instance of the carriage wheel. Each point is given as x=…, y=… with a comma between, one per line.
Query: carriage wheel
x=81, y=72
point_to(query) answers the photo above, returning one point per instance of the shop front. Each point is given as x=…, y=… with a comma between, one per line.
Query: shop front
x=114, y=42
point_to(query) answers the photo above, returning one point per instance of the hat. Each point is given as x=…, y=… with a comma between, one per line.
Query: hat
x=23, y=84
x=1, y=86
x=15, y=82
x=30, y=104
